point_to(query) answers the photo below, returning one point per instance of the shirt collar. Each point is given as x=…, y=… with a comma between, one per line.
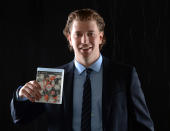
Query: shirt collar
x=95, y=66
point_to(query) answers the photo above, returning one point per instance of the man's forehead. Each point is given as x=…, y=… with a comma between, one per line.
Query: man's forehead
x=84, y=25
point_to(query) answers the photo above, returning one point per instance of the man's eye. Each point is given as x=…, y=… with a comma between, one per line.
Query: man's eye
x=78, y=34
x=90, y=34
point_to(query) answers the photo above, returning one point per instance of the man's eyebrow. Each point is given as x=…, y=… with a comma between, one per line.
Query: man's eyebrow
x=77, y=31
x=91, y=31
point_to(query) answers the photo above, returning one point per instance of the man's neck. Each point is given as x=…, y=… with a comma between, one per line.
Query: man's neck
x=87, y=61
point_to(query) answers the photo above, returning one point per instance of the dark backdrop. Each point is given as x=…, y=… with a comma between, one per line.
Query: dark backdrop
x=136, y=31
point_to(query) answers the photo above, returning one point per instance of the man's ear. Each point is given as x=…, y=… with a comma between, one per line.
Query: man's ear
x=69, y=39
x=101, y=36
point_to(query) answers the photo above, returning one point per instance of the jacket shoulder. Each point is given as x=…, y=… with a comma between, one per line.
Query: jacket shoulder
x=117, y=67
x=67, y=67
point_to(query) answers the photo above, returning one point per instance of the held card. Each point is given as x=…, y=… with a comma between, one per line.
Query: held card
x=51, y=82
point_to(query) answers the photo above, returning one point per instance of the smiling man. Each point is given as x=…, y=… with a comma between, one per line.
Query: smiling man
x=98, y=95
x=85, y=38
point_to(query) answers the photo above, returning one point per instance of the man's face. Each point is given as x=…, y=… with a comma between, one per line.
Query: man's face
x=85, y=39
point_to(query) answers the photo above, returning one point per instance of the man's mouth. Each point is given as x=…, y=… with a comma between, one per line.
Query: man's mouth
x=85, y=49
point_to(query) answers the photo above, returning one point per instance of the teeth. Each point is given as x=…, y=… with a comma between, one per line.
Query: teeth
x=86, y=48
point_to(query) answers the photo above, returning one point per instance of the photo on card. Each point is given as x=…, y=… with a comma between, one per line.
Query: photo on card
x=51, y=82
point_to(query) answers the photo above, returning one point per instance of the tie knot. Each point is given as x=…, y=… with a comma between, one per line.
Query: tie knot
x=88, y=71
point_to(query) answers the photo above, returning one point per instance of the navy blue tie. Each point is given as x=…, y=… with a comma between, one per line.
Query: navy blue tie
x=86, y=106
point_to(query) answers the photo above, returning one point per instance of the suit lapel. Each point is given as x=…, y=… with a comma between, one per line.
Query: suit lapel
x=108, y=81
x=68, y=95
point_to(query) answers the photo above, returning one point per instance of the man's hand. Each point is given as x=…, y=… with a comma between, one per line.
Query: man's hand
x=31, y=90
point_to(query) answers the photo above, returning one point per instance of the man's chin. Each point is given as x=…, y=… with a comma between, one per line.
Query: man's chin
x=85, y=55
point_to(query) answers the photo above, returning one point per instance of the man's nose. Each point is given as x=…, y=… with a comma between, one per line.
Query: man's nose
x=84, y=39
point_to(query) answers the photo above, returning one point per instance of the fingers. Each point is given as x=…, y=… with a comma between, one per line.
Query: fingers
x=27, y=95
x=34, y=89
x=36, y=84
x=31, y=90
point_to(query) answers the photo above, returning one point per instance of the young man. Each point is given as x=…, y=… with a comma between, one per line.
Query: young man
x=113, y=100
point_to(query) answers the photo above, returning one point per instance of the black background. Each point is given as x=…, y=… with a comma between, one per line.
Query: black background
x=136, y=32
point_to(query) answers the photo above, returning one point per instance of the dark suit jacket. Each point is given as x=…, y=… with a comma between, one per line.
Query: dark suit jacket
x=123, y=102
